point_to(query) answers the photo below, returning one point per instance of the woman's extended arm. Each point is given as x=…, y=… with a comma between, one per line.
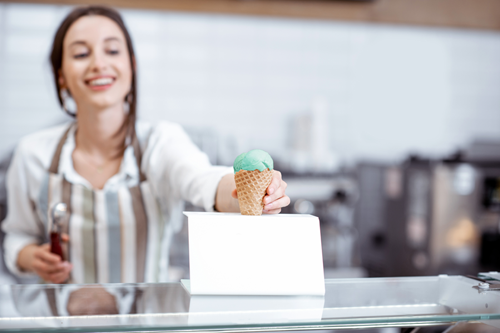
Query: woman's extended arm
x=179, y=169
x=275, y=199
x=224, y=201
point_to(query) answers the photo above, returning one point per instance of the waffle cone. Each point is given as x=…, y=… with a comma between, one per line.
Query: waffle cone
x=251, y=187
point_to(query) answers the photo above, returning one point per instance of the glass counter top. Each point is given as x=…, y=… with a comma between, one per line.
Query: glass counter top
x=348, y=303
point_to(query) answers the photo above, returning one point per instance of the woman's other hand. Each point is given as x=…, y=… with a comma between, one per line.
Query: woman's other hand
x=47, y=265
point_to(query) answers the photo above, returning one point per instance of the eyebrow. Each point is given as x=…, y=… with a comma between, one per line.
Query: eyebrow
x=84, y=43
x=112, y=38
x=78, y=42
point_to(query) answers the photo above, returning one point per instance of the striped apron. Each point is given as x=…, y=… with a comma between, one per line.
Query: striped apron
x=115, y=235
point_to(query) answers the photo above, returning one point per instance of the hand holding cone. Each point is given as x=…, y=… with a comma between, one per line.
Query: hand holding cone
x=253, y=174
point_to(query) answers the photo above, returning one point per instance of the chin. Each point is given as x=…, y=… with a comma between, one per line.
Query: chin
x=108, y=103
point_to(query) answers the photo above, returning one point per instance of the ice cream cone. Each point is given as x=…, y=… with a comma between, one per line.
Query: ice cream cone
x=251, y=187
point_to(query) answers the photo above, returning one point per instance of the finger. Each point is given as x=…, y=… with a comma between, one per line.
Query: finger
x=274, y=211
x=280, y=192
x=48, y=257
x=41, y=267
x=234, y=194
x=275, y=182
x=44, y=277
x=281, y=202
x=60, y=277
x=44, y=248
x=65, y=238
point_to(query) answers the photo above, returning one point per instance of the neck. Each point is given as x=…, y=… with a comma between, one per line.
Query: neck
x=98, y=132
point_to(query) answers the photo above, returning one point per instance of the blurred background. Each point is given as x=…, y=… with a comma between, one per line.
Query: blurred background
x=383, y=115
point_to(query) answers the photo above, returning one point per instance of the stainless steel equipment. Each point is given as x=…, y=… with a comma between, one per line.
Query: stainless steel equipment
x=430, y=216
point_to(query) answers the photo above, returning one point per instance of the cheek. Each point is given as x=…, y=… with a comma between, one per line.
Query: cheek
x=72, y=73
x=126, y=73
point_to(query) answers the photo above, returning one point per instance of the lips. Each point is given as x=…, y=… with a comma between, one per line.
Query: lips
x=100, y=83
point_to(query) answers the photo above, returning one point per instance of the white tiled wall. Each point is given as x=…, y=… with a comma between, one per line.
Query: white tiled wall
x=389, y=90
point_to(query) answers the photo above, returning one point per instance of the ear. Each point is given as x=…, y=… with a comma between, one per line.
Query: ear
x=60, y=78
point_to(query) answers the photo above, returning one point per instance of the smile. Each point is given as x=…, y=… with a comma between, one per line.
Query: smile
x=99, y=82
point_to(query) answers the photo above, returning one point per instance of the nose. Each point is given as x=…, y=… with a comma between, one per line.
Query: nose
x=98, y=61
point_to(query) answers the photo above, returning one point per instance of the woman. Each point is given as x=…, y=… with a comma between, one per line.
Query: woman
x=123, y=181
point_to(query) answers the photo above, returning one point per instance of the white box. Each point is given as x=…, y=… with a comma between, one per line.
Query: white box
x=234, y=254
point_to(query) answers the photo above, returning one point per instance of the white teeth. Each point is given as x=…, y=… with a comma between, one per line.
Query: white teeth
x=101, y=82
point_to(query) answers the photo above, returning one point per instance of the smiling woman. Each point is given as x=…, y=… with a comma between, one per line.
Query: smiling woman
x=97, y=68
x=93, y=58
x=122, y=180
x=78, y=37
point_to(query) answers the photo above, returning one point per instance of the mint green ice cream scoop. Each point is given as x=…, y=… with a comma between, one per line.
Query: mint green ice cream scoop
x=253, y=160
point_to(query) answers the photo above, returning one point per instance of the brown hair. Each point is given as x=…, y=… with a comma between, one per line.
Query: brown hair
x=57, y=53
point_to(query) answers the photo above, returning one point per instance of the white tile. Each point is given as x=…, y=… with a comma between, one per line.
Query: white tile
x=27, y=44
x=148, y=52
x=186, y=52
x=30, y=16
x=212, y=71
x=22, y=72
x=234, y=29
x=143, y=23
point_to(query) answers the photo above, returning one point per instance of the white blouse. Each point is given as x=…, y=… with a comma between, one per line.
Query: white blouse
x=176, y=169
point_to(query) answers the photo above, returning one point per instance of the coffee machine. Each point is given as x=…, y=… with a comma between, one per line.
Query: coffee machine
x=430, y=216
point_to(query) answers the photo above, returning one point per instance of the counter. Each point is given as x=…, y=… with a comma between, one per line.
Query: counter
x=348, y=303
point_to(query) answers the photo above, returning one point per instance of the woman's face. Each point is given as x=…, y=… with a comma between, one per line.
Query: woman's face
x=96, y=65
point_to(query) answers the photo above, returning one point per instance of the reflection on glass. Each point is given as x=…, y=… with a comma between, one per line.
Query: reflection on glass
x=369, y=302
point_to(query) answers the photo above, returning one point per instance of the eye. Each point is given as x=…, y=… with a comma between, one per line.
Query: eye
x=80, y=55
x=113, y=52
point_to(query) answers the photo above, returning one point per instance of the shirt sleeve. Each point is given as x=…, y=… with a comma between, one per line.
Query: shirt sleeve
x=179, y=169
x=21, y=226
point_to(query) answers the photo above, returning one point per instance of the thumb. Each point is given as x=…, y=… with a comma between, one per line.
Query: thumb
x=234, y=194
x=65, y=238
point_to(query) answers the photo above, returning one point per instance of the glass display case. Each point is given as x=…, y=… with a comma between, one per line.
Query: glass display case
x=348, y=303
